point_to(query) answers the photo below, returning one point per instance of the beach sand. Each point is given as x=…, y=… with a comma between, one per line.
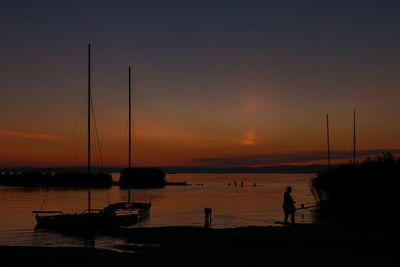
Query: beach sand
x=301, y=245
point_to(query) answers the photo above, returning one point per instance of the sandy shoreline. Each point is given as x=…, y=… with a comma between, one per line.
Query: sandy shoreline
x=303, y=245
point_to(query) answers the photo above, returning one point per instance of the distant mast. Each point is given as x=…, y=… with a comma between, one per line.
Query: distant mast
x=327, y=135
x=354, y=137
x=130, y=138
x=89, y=100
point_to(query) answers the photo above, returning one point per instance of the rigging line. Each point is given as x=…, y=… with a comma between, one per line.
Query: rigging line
x=97, y=136
x=100, y=154
x=135, y=149
x=45, y=198
x=77, y=149
x=67, y=146
x=135, y=160
x=96, y=154
x=123, y=141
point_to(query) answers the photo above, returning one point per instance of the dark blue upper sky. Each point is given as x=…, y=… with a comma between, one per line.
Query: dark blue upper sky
x=262, y=72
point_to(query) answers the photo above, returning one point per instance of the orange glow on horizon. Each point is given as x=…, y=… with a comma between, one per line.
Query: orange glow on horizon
x=315, y=162
x=306, y=163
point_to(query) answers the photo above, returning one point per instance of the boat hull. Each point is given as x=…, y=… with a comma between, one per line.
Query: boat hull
x=142, y=209
x=85, y=221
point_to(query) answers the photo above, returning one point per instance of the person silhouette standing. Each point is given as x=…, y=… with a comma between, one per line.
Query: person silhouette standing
x=288, y=206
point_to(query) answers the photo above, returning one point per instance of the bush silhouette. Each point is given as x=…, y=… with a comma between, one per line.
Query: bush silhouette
x=366, y=189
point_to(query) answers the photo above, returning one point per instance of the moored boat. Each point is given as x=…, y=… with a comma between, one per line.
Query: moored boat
x=90, y=218
x=86, y=220
x=128, y=178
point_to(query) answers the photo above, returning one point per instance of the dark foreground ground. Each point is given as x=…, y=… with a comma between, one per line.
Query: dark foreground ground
x=302, y=245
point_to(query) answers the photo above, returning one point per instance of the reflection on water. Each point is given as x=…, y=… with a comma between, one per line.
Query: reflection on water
x=173, y=205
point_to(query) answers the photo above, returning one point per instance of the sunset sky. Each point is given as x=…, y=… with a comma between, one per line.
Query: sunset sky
x=216, y=83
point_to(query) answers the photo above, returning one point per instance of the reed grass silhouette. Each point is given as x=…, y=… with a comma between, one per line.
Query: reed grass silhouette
x=366, y=193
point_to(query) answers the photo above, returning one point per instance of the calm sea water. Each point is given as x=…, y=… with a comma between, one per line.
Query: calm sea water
x=232, y=206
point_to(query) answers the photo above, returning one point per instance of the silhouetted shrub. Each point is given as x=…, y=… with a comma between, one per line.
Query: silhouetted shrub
x=366, y=189
x=142, y=178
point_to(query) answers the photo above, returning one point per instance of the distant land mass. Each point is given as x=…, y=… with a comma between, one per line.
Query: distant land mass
x=192, y=169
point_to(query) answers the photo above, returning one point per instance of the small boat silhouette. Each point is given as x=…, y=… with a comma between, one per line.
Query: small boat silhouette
x=111, y=216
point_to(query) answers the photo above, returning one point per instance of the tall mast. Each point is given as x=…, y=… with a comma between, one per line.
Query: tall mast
x=130, y=128
x=130, y=117
x=327, y=135
x=354, y=137
x=89, y=100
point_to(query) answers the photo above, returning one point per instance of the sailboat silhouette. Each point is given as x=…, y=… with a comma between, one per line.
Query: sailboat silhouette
x=129, y=176
x=137, y=177
x=90, y=218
